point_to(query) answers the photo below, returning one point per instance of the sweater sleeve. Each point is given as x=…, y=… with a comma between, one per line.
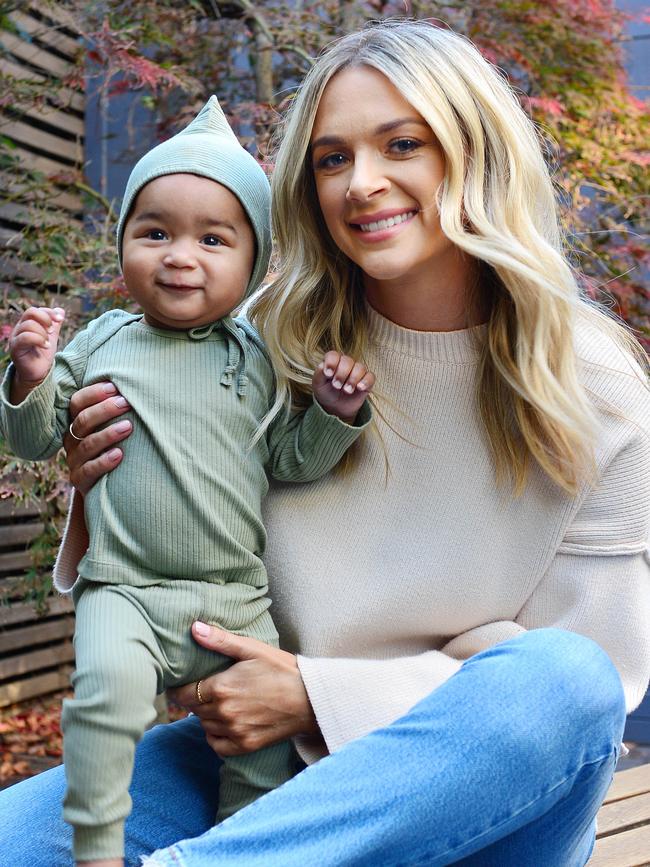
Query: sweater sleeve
x=598, y=583
x=309, y=444
x=35, y=427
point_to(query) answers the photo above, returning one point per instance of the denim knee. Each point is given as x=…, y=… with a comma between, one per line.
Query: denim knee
x=578, y=684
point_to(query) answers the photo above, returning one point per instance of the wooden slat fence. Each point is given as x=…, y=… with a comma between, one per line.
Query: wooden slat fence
x=36, y=653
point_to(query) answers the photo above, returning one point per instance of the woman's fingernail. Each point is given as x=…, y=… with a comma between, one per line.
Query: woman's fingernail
x=109, y=388
x=121, y=401
x=122, y=426
x=201, y=628
x=114, y=454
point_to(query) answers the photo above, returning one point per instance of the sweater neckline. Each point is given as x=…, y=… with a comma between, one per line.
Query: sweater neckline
x=457, y=347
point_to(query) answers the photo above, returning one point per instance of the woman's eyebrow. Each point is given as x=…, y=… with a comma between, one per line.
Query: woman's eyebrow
x=328, y=140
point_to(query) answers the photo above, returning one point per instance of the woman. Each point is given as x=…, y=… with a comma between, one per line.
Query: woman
x=490, y=539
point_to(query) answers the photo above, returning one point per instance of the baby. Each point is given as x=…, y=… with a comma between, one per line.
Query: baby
x=175, y=531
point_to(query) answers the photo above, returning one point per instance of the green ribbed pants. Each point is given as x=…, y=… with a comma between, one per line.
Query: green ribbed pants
x=130, y=644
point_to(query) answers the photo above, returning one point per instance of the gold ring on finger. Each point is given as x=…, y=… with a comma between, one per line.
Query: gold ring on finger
x=199, y=697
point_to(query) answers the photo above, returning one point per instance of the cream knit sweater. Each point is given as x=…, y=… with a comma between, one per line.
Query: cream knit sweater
x=384, y=580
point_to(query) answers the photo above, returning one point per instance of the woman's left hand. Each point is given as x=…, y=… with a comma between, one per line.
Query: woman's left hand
x=260, y=700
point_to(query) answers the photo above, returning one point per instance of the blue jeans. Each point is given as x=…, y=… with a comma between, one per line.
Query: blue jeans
x=505, y=764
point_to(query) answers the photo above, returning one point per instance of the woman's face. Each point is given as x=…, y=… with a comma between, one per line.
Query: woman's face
x=378, y=167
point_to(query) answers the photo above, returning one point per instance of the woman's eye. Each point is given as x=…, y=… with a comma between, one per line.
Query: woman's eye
x=404, y=145
x=331, y=161
x=211, y=240
x=156, y=235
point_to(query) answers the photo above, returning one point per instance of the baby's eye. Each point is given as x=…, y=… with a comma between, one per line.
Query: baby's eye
x=211, y=240
x=331, y=161
x=404, y=145
x=156, y=235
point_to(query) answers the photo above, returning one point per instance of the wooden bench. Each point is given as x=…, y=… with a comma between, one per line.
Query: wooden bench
x=623, y=838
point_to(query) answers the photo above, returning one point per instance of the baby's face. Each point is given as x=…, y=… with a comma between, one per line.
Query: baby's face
x=188, y=251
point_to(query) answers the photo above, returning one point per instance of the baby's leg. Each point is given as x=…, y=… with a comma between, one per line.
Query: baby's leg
x=115, y=685
x=243, y=779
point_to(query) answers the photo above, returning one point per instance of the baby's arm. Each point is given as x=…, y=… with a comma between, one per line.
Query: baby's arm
x=341, y=385
x=32, y=347
x=311, y=443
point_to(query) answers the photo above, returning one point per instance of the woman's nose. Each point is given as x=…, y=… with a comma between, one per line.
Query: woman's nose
x=367, y=179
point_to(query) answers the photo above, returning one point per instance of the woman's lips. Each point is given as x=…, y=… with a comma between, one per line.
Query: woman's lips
x=382, y=225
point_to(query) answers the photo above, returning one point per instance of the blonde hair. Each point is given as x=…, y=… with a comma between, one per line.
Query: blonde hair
x=496, y=204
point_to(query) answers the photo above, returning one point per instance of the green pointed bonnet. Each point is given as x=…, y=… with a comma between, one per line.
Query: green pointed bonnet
x=208, y=147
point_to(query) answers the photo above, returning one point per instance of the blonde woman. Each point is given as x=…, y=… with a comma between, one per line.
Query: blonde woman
x=464, y=609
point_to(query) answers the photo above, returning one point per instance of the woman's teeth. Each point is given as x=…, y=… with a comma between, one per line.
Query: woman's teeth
x=386, y=224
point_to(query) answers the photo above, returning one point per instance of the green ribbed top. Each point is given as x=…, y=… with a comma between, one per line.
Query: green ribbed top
x=185, y=501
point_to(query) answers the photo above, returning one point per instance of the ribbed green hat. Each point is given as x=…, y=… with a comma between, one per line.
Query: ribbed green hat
x=208, y=147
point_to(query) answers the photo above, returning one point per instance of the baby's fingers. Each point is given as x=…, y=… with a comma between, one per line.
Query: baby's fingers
x=359, y=379
x=330, y=363
x=47, y=317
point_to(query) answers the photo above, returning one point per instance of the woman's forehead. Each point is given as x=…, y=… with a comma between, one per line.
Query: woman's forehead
x=360, y=95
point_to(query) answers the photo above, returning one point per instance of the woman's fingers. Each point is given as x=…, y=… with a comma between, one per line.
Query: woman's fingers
x=84, y=476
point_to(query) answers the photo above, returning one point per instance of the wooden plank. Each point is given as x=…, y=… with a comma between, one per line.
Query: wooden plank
x=45, y=33
x=21, y=212
x=27, y=663
x=30, y=636
x=21, y=690
x=19, y=534
x=34, y=55
x=39, y=163
x=25, y=613
x=22, y=73
x=13, y=184
x=53, y=116
x=54, y=11
x=32, y=137
x=623, y=815
x=9, y=508
x=629, y=849
x=16, y=561
x=626, y=784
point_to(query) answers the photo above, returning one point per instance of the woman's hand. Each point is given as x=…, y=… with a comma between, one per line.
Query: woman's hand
x=258, y=701
x=93, y=456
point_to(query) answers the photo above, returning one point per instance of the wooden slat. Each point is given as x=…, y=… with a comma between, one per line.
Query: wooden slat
x=39, y=163
x=10, y=509
x=73, y=99
x=629, y=849
x=53, y=11
x=26, y=663
x=43, y=32
x=622, y=815
x=15, y=562
x=626, y=784
x=15, y=639
x=32, y=137
x=36, y=56
x=20, y=212
x=21, y=690
x=14, y=185
x=24, y=613
x=53, y=116
x=19, y=534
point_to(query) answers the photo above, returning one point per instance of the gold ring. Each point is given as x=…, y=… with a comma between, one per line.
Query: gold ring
x=73, y=434
x=199, y=697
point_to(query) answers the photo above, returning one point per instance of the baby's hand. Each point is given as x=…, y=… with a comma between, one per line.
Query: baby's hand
x=341, y=385
x=32, y=344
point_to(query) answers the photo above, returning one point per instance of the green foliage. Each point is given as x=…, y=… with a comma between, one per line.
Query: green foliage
x=563, y=56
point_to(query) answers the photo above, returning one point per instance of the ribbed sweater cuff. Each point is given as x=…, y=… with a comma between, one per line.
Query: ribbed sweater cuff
x=102, y=841
x=28, y=425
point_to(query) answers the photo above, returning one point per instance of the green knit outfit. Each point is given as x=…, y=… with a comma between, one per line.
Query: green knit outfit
x=175, y=535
